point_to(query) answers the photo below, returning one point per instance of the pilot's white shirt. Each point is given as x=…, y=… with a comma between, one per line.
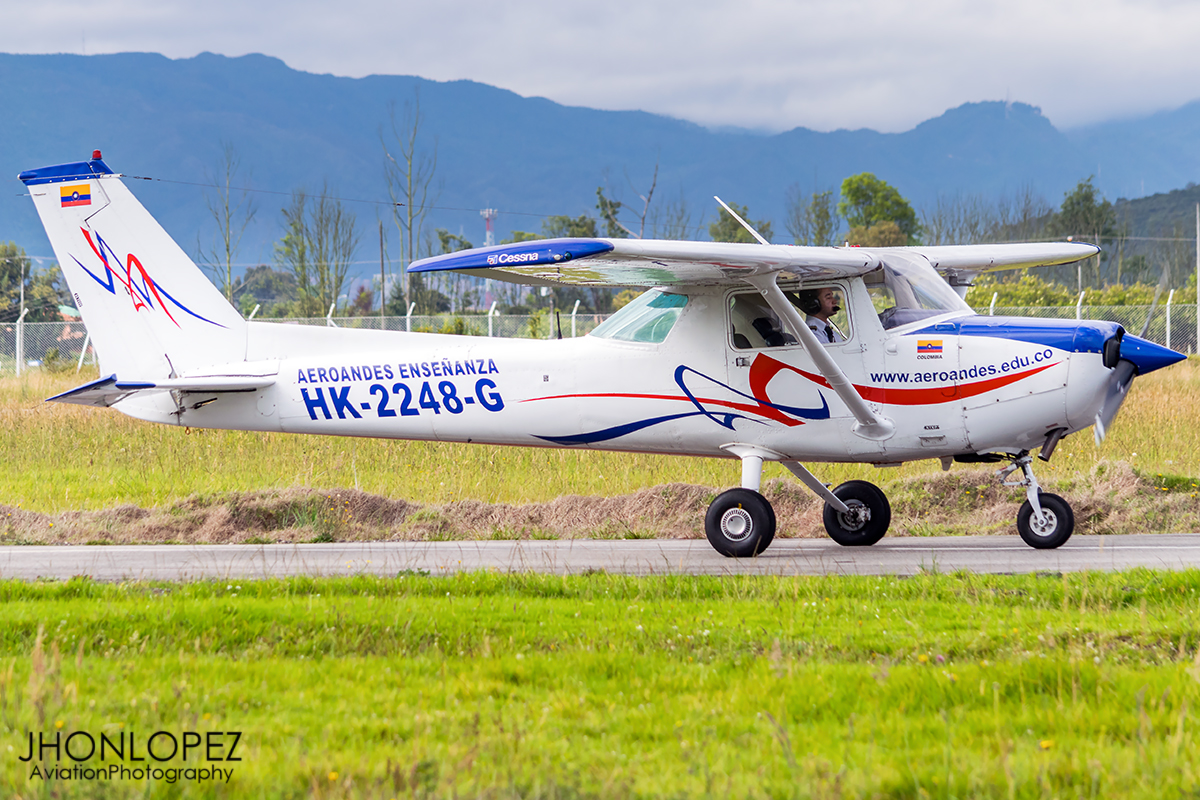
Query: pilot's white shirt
x=826, y=332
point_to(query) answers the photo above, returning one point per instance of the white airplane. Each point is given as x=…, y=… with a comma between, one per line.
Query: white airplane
x=731, y=353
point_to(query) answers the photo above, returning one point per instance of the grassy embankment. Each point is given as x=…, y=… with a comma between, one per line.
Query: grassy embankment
x=62, y=458
x=600, y=686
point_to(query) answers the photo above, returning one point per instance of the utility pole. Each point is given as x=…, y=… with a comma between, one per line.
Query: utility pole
x=382, y=281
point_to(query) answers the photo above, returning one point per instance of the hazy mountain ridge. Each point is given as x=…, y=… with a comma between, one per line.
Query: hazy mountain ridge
x=163, y=118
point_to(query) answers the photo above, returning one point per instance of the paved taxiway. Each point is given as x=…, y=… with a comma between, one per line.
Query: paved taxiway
x=900, y=556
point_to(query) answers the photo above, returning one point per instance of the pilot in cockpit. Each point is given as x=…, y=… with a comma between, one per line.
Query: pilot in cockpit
x=820, y=305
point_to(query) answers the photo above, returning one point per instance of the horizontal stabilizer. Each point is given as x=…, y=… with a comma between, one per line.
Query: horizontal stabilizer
x=109, y=390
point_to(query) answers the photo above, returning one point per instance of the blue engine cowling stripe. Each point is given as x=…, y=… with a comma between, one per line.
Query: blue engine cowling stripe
x=1073, y=336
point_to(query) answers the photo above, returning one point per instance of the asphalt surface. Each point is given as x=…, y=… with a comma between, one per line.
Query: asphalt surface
x=901, y=556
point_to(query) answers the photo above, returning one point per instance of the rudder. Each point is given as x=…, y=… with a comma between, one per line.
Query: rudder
x=149, y=309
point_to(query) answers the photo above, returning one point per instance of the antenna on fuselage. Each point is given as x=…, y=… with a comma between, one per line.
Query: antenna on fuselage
x=741, y=221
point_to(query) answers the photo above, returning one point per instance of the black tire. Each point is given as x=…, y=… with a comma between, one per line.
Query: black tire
x=1058, y=529
x=740, y=523
x=870, y=516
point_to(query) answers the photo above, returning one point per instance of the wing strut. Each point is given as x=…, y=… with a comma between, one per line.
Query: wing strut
x=870, y=425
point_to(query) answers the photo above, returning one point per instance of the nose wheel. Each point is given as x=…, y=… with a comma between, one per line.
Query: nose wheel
x=1055, y=527
x=1045, y=520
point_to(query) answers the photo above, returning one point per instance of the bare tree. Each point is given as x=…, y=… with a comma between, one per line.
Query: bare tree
x=812, y=219
x=1022, y=216
x=958, y=219
x=317, y=249
x=409, y=172
x=334, y=238
x=672, y=220
x=232, y=209
x=291, y=253
x=610, y=208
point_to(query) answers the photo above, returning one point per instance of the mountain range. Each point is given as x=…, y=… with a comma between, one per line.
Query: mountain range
x=527, y=157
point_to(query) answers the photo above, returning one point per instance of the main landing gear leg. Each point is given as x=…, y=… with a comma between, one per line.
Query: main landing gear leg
x=1045, y=520
x=740, y=522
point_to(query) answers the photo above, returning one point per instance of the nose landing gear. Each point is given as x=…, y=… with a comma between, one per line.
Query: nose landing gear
x=1045, y=520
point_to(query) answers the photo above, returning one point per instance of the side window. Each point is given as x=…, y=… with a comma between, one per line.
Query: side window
x=648, y=318
x=754, y=326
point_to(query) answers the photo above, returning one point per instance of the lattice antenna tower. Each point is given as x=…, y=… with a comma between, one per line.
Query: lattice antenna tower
x=489, y=216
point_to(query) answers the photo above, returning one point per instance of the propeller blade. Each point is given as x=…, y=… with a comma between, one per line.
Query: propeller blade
x=1119, y=382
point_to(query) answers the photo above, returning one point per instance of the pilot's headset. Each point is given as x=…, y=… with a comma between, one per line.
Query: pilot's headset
x=808, y=301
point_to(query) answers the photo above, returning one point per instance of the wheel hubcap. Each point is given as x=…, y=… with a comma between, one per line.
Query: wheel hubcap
x=857, y=517
x=736, y=524
x=1045, y=528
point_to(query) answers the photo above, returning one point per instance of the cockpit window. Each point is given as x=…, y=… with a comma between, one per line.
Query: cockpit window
x=907, y=289
x=648, y=319
x=753, y=325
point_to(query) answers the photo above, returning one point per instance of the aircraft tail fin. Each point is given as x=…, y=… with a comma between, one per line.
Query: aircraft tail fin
x=150, y=311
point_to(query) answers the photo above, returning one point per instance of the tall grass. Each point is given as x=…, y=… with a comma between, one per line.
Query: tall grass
x=61, y=457
x=485, y=685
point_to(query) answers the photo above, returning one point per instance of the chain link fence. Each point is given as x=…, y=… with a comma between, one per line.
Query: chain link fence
x=61, y=345
x=1173, y=325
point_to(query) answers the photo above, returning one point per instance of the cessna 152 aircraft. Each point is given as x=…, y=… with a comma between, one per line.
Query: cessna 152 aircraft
x=717, y=358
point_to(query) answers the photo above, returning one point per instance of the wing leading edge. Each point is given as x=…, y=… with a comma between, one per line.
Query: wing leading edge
x=656, y=262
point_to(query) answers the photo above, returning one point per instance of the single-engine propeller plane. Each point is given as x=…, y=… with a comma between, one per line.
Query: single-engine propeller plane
x=757, y=352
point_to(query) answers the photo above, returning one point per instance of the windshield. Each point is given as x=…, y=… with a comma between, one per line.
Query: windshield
x=649, y=318
x=907, y=289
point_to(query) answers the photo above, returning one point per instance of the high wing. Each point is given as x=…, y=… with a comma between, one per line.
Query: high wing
x=656, y=262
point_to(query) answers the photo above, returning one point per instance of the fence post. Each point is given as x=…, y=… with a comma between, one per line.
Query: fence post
x=1079, y=305
x=491, y=313
x=408, y=317
x=992, y=307
x=21, y=339
x=574, y=311
x=1169, y=296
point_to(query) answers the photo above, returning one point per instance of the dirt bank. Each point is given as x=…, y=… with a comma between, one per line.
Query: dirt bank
x=1111, y=499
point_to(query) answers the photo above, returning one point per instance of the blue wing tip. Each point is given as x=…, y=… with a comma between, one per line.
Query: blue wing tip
x=72, y=171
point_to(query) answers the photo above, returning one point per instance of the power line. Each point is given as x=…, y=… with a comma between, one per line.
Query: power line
x=342, y=199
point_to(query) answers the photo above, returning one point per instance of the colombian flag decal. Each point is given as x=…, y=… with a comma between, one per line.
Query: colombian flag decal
x=79, y=194
x=929, y=346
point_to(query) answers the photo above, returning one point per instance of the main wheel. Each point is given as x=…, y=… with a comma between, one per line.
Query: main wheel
x=1058, y=526
x=867, y=520
x=740, y=523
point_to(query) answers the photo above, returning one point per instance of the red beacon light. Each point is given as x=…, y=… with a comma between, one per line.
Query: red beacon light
x=95, y=155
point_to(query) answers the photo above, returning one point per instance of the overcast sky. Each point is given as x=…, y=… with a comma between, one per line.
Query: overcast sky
x=766, y=64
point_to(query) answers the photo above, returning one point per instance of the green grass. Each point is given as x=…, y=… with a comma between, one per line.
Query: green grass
x=486, y=685
x=62, y=457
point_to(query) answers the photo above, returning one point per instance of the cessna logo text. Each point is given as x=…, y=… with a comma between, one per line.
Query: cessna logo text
x=512, y=258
